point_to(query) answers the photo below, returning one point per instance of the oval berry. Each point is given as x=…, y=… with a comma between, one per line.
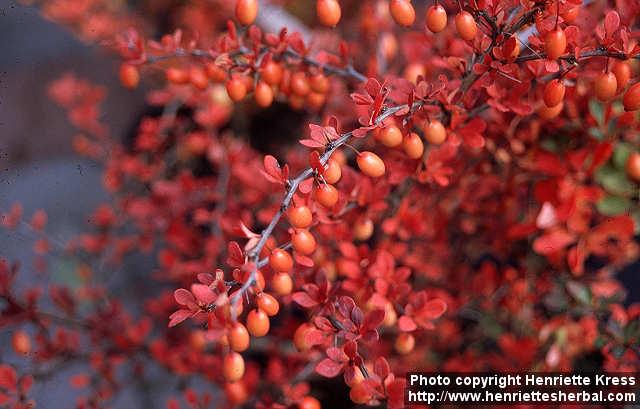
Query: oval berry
x=332, y=171
x=280, y=261
x=435, y=133
x=622, y=71
x=263, y=94
x=390, y=136
x=129, y=75
x=606, y=86
x=300, y=84
x=436, y=18
x=303, y=242
x=363, y=229
x=258, y=323
x=236, y=89
x=631, y=99
x=553, y=93
x=319, y=83
x=555, y=43
x=328, y=12
x=236, y=392
x=177, y=75
x=21, y=342
x=326, y=195
x=238, y=337
x=300, y=217
x=633, y=166
x=413, y=146
x=309, y=402
x=282, y=283
x=246, y=11
x=402, y=12
x=272, y=73
x=466, y=26
x=299, y=337
x=405, y=343
x=268, y=304
x=547, y=113
x=233, y=367
x=370, y=164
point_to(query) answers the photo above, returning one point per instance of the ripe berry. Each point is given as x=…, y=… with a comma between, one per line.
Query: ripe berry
x=555, y=43
x=633, y=166
x=177, y=75
x=436, y=18
x=414, y=70
x=236, y=89
x=236, y=392
x=413, y=146
x=370, y=164
x=259, y=280
x=268, y=304
x=553, y=93
x=319, y=83
x=280, y=261
x=332, y=171
x=129, y=75
x=299, y=337
x=215, y=73
x=315, y=101
x=303, y=242
x=434, y=132
x=282, y=284
x=402, y=12
x=405, y=343
x=606, y=86
x=198, y=78
x=263, y=94
x=363, y=229
x=238, y=337
x=631, y=99
x=258, y=323
x=390, y=136
x=300, y=216
x=309, y=402
x=547, y=113
x=622, y=71
x=328, y=12
x=21, y=342
x=466, y=26
x=300, y=84
x=233, y=367
x=246, y=11
x=326, y=195
x=272, y=73
x=359, y=395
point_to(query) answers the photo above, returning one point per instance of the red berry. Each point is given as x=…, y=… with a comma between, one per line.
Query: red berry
x=326, y=195
x=272, y=73
x=436, y=18
x=370, y=164
x=631, y=99
x=236, y=392
x=215, y=73
x=555, y=43
x=633, y=166
x=363, y=229
x=553, y=93
x=402, y=12
x=435, y=133
x=263, y=94
x=177, y=75
x=300, y=217
x=299, y=337
x=606, y=86
x=309, y=402
x=303, y=242
x=246, y=11
x=233, y=367
x=238, y=337
x=236, y=89
x=405, y=343
x=300, y=84
x=258, y=323
x=390, y=136
x=129, y=75
x=328, y=12
x=319, y=83
x=21, y=342
x=547, y=113
x=280, y=261
x=413, y=146
x=198, y=78
x=282, y=283
x=332, y=171
x=268, y=304
x=622, y=71
x=466, y=26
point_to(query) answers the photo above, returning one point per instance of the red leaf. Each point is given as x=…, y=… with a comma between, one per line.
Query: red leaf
x=203, y=293
x=235, y=257
x=611, y=22
x=8, y=377
x=552, y=242
x=184, y=297
x=406, y=324
x=304, y=299
x=179, y=316
x=433, y=309
x=328, y=368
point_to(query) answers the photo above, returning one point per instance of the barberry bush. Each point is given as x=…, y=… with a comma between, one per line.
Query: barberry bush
x=336, y=192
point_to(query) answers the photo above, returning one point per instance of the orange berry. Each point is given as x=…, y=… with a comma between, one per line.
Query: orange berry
x=370, y=164
x=246, y=11
x=258, y=323
x=263, y=94
x=328, y=12
x=236, y=89
x=129, y=75
x=309, y=402
x=215, y=73
x=633, y=166
x=177, y=75
x=435, y=133
x=413, y=71
x=405, y=342
x=299, y=337
x=319, y=83
x=332, y=171
x=553, y=93
x=315, y=101
x=555, y=43
x=303, y=242
x=402, y=12
x=326, y=195
x=236, y=392
x=363, y=229
x=268, y=304
x=548, y=113
x=282, y=284
x=259, y=280
x=413, y=146
x=466, y=26
x=272, y=73
x=238, y=337
x=622, y=71
x=233, y=367
x=21, y=342
x=280, y=261
x=300, y=84
x=359, y=395
x=436, y=18
x=606, y=86
x=198, y=78
x=390, y=136
x=631, y=99
x=300, y=216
